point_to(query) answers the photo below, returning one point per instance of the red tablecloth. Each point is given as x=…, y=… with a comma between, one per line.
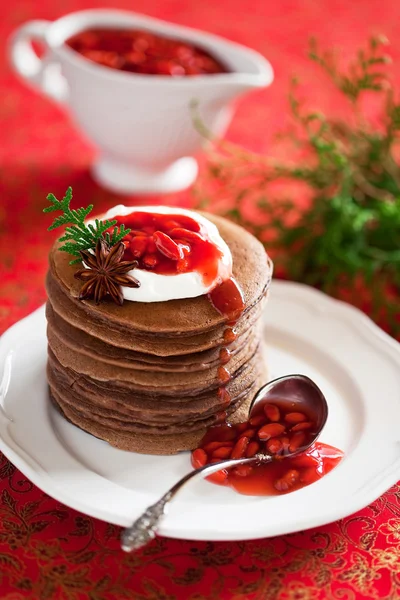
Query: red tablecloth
x=50, y=551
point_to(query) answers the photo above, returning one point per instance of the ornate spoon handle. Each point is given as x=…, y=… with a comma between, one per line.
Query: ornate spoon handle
x=144, y=529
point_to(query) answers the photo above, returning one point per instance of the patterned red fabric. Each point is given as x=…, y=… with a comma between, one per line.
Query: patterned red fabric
x=49, y=551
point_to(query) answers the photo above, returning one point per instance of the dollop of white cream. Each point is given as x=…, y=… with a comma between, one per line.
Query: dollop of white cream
x=155, y=287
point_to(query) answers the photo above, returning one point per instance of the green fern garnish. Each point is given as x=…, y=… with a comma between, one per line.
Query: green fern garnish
x=79, y=235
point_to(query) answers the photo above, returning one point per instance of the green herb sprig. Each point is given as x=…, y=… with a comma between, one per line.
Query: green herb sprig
x=346, y=238
x=78, y=234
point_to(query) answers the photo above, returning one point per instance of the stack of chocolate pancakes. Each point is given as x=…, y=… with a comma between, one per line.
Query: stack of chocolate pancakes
x=145, y=377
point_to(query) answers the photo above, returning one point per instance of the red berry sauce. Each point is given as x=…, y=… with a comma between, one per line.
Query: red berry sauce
x=227, y=299
x=143, y=52
x=170, y=244
x=276, y=429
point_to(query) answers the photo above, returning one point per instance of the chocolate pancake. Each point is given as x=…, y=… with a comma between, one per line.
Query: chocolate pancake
x=160, y=443
x=251, y=268
x=144, y=376
x=167, y=344
x=95, y=348
x=144, y=416
x=143, y=379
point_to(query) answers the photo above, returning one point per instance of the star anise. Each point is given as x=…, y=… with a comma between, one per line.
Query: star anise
x=106, y=273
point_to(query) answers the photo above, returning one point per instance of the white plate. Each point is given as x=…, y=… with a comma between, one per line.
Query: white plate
x=354, y=362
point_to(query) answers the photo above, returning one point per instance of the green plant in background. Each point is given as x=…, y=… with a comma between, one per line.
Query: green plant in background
x=346, y=238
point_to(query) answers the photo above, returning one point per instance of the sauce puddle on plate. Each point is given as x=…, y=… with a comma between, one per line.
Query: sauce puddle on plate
x=278, y=428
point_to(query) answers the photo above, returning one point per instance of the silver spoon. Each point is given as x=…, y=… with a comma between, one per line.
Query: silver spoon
x=298, y=389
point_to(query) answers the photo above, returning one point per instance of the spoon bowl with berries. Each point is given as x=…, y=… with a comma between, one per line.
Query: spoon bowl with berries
x=285, y=420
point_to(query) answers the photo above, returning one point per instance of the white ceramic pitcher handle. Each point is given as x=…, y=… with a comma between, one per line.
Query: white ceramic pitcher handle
x=41, y=73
